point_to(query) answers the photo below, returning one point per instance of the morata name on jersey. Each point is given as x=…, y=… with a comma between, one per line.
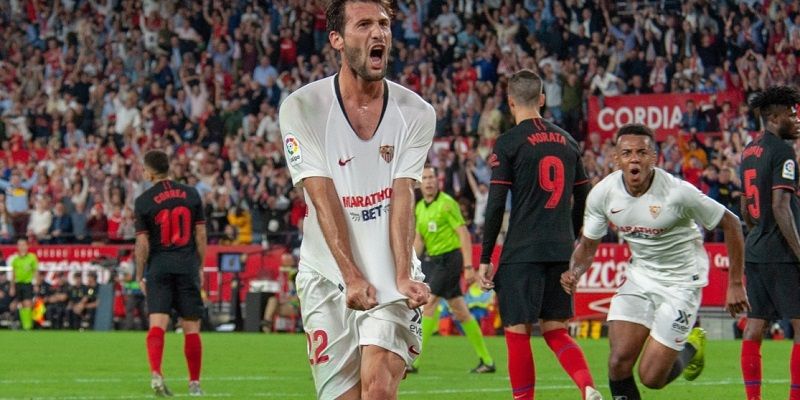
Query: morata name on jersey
x=546, y=137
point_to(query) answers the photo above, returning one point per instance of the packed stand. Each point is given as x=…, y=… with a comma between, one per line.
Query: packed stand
x=88, y=86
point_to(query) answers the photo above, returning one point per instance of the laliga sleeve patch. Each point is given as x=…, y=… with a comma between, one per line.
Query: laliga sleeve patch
x=293, y=150
x=788, y=170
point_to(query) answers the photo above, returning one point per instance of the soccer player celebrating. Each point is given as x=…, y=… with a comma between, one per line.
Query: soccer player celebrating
x=770, y=209
x=24, y=266
x=541, y=164
x=171, y=245
x=441, y=230
x=357, y=144
x=655, y=213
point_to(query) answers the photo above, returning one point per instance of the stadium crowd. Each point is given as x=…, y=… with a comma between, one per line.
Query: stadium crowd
x=89, y=85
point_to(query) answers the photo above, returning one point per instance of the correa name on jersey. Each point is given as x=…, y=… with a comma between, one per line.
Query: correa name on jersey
x=169, y=194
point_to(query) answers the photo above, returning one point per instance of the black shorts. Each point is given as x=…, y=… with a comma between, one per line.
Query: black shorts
x=443, y=274
x=527, y=292
x=773, y=290
x=181, y=292
x=24, y=291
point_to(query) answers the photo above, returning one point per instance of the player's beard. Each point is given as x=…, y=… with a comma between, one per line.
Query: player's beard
x=357, y=58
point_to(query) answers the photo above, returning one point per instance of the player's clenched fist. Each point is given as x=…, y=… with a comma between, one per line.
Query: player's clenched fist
x=569, y=280
x=360, y=295
x=486, y=276
x=416, y=291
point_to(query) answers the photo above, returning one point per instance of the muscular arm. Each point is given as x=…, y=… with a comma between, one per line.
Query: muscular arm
x=581, y=260
x=401, y=238
x=494, y=219
x=401, y=226
x=141, y=253
x=736, y=301
x=333, y=224
x=201, y=241
x=781, y=200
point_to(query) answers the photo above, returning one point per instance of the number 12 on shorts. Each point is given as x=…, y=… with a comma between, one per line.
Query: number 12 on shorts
x=317, y=343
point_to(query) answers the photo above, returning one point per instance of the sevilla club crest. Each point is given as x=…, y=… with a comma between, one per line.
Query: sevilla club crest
x=387, y=153
x=654, y=211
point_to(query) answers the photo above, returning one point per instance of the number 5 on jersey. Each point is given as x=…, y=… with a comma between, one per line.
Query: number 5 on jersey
x=751, y=192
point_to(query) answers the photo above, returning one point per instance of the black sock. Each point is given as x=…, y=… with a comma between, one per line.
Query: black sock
x=624, y=389
x=683, y=360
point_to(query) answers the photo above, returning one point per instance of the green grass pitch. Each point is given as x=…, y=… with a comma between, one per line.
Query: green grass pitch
x=94, y=365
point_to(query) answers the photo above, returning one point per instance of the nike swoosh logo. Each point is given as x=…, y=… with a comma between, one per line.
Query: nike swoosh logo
x=413, y=350
x=613, y=211
x=344, y=162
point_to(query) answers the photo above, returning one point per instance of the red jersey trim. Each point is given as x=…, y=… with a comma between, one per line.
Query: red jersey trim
x=141, y=233
x=787, y=187
x=583, y=182
x=501, y=182
x=200, y=223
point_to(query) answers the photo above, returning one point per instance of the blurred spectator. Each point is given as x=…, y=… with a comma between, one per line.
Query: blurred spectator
x=61, y=230
x=17, y=199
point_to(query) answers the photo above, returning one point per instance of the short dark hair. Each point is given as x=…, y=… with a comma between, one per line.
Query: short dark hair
x=634, y=129
x=335, y=13
x=525, y=87
x=773, y=99
x=157, y=161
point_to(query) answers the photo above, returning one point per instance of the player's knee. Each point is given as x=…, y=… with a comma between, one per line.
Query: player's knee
x=651, y=381
x=619, y=365
x=376, y=390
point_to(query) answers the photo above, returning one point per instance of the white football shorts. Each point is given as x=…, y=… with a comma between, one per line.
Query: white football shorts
x=335, y=333
x=668, y=311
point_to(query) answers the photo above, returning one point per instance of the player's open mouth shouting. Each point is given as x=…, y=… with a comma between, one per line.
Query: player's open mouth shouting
x=377, y=56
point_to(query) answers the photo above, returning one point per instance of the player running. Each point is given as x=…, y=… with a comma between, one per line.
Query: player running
x=771, y=210
x=541, y=164
x=655, y=213
x=357, y=143
x=170, y=249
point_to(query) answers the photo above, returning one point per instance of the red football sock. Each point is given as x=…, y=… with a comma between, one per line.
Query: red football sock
x=751, y=368
x=193, y=350
x=794, y=367
x=570, y=356
x=521, y=370
x=155, y=348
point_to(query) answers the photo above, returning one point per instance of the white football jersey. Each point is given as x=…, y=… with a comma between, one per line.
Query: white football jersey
x=320, y=142
x=665, y=242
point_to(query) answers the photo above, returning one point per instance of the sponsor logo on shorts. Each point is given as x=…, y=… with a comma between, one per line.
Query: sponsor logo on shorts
x=413, y=350
x=416, y=320
x=681, y=324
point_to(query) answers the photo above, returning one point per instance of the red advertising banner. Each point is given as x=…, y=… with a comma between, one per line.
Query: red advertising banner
x=259, y=264
x=661, y=112
x=592, y=299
